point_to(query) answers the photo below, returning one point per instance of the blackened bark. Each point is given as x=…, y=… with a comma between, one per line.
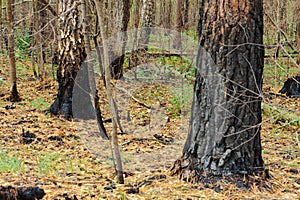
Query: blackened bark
x=71, y=56
x=224, y=135
x=21, y=193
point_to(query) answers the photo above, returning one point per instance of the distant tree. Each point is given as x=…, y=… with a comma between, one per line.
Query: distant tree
x=122, y=10
x=178, y=23
x=143, y=35
x=297, y=21
x=146, y=23
x=37, y=6
x=14, y=95
x=224, y=135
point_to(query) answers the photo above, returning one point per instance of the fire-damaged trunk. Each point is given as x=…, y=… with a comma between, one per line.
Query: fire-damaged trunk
x=71, y=56
x=224, y=134
x=82, y=99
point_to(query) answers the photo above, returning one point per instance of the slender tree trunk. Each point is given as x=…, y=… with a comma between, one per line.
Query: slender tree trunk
x=118, y=47
x=86, y=99
x=38, y=40
x=178, y=24
x=224, y=135
x=297, y=22
x=186, y=14
x=113, y=109
x=14, y=95
x=143, y=35
x=2, y=44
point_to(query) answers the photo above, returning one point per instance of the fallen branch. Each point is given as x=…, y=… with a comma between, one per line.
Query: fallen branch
x=133, y=98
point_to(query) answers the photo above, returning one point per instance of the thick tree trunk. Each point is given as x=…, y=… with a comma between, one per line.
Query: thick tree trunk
x=70, y=56
x=224, y=136
x=14, y=95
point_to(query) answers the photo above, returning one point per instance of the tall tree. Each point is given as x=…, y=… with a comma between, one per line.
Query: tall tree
x=146, y=23
x=37, y=6
x=297, y=21
x=71, y=56
x=143, y=34
x=178, y=23
x=14, y=95
x=122, y=15
x=224, y=135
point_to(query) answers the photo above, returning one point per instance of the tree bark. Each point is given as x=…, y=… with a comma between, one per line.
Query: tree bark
x=178, y=24
x=143, y=35
x=14, y=95
x=122, y=8
x=224, y=135
x=38, y=40
x=113, y=108
x=297, y=22
x=70, y=56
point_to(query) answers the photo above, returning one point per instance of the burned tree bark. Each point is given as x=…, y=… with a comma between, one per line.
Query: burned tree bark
x=71, y=56
x=224, y=135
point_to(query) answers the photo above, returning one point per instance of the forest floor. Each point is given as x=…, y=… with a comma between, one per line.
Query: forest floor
x=37, y=149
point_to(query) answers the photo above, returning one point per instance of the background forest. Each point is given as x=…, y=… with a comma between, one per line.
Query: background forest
x=55, y=154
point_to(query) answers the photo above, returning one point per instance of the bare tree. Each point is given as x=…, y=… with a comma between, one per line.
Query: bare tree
x=14, y=95
x=122, y=15
x=38, y=40
x=178, y=23
x=113, y=109
x=224, y=135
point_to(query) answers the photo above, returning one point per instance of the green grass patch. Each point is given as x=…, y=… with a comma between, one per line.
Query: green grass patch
x=39, y=103
x=10, y=164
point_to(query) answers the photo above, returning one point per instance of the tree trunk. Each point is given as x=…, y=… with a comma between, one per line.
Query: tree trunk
x=38, y=40
x=143, y=34
x=186, y=15
x=146, y=23
x=113, y=108
x=297, y=21
x=14, y=95
x=71, y=54
x=178, y=24
x=122, y=8
x=224, y=135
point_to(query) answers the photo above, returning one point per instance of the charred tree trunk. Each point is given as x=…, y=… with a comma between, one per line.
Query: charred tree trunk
x=14, y=95
x=224, y=135
x=71, y=54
